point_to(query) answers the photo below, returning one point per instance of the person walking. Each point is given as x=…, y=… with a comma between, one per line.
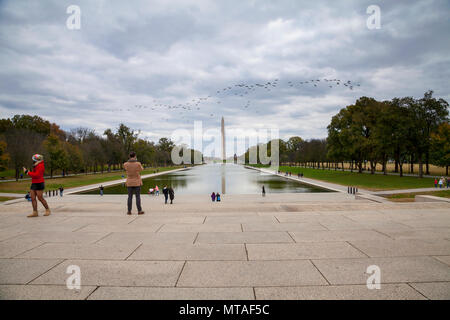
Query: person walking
x=61, y=190
x=447, y=180
x=101, y=190
x=218, y=197
x=213, y=197
x=171, y=195
x=435, y=182
x=157, y=190
x=441, y=182
x=263, y=191
x=133, y=182
x=166, y=194
x=37, y=185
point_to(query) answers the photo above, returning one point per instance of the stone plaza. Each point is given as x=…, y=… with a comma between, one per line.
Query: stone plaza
x=282, y=246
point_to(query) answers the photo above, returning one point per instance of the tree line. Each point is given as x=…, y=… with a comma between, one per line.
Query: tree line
x=405, y=131
x=79, y=150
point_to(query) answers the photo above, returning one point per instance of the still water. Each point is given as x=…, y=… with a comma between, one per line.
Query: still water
x=222, y=178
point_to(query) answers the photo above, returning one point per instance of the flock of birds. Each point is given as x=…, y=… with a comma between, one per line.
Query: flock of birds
x=240, y=91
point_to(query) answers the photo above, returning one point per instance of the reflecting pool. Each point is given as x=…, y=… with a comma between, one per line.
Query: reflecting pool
x=222, y=178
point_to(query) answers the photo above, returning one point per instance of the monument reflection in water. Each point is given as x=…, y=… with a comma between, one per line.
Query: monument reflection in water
x=223, y=178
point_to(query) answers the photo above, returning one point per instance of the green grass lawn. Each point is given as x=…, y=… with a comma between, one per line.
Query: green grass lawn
x=74, y=181
x=8, y=174
x=361, y=180
x=6, y=198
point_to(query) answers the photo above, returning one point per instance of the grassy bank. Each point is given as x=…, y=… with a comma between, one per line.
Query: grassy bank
x=361, y=180
x=74, y=181
x=390, y=167
x=6, y=198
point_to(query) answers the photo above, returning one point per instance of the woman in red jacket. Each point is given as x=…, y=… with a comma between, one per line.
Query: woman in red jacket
x=37, y=184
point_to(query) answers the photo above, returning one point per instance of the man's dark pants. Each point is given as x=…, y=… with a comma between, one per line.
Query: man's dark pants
x=137, y=191
x=165, y=197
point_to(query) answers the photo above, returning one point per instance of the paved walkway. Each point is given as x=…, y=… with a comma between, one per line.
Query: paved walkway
x=406, y=191
x=282, y=246
x=341, y=188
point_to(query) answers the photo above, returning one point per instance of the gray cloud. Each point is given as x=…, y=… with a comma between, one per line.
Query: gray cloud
x=171, y=52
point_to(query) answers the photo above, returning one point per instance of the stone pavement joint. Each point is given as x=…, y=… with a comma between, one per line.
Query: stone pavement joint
x=283, y=246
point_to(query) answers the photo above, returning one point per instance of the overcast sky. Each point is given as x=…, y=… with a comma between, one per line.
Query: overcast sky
x=130, y=60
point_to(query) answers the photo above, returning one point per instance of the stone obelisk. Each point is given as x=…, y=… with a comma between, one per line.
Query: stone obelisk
x=223, y=141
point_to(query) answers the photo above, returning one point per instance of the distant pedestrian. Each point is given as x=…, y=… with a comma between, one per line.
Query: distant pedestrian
x=435, y=182
x=213, y=197
x=37, y=184
x=157, y=190
x=447, y=181
x=134, y=182
x=165, y=193
x=101, y=190
x=441, y=182
x=218, y=197
x=21, y=176
x=263, y=191
x=61, y=190
x=171, y=194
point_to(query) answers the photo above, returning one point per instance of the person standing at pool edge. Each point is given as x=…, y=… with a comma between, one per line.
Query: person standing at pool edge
x=37, y=185
x=166, y=194
x=134, y=182
x=171, y=195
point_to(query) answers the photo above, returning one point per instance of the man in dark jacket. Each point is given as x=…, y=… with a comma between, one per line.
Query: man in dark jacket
x=165, y=193
x=171, y=194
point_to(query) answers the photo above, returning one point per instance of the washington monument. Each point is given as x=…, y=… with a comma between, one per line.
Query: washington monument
x=224, y=157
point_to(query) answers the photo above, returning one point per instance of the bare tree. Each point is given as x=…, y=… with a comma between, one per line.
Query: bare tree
x=21, y=145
